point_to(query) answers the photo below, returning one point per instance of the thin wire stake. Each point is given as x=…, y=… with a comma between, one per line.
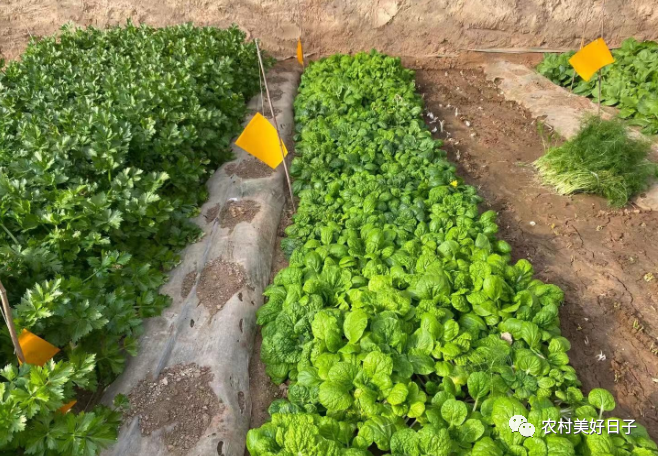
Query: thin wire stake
x=2, y=312
x=602, y=16
x=599, y=93
x=301, y=31
x=582, y=39
x=602, y=21
x=6, y=313
x=299, y=18
x=262, y=98
x=276, y=124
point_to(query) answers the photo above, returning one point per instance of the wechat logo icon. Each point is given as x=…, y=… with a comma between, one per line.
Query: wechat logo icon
x=519, y=423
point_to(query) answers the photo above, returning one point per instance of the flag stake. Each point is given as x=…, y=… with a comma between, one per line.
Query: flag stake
x=301, y=32
x=276, y=124
x=582, y=41
x=599, y=93
x=6, y=313
x=602, y=22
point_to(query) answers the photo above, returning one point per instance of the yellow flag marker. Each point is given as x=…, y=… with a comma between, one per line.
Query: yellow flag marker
x=260, y=139
x=36, y=350
x=591, y=59
x=300, y=52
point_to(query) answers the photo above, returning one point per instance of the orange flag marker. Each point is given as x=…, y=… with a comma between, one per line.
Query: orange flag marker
x=36, y=350
x=591, y=59
x=260, y=139
x=66, y=408
x=300, y=52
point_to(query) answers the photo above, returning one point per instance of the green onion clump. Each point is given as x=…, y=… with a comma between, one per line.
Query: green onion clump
x=602, y=159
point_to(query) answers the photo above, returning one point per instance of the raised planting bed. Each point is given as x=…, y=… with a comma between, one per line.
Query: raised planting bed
x=401, y=324
x=188, y=387
x=106, y=141
x=629, y=83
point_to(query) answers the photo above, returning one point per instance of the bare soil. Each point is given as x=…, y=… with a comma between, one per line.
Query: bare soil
x=219, y=281
x=180, y=401
x=420, y=27
x=212, y=213
x=605, y=260
x=249, y=168
x=263, y=391
x=279, y=260
x=275, y=92
x=235, y=212
x=188, y=283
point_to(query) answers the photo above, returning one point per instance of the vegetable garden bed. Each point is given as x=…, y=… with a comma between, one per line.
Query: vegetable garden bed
x=561, y=111
x=400, y=324
x=403, y=324
x=604, y=259
x=106, y=141
x=189, y=385
x=629, y=83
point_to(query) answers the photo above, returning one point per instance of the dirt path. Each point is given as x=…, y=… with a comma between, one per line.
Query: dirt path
x=605, y=260
x=263, y=391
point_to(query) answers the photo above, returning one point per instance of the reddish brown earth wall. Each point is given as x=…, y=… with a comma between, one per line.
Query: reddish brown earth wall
x=401, y=27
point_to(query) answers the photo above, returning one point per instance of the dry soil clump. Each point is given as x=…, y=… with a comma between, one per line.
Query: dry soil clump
x=249, y=168
x=219, y=281
x=180, y=401
x=235, y=212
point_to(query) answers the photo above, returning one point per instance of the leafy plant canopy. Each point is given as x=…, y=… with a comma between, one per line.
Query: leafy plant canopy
x=401, y=325
x=630, y=83
x=106, y=140
x=602, y=159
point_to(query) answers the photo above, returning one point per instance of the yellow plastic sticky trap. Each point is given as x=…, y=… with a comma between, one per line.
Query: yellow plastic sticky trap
x=591, y=59
x=300, y=52
x=260, y=139
x=67, y=407
x=36, y=350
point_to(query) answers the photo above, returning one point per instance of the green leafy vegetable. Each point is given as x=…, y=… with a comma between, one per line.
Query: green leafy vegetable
x=602, y=400
x=629, y=83
x=392, y=311
x=106, y=140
